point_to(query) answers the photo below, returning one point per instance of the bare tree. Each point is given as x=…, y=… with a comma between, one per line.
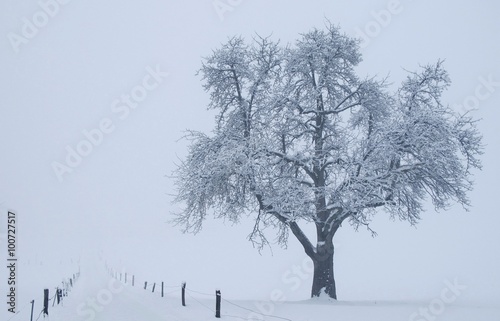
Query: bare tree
x=299, y=137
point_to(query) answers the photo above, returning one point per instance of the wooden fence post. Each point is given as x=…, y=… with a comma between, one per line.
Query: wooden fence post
x=133, y=279
x=46, y=302
x=162, y=289
x=217, y=303
x=183, y=294
x=32, y=306
x=154, y=285
x=145, y=285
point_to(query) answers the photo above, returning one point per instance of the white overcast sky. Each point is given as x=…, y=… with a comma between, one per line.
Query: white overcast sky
x=64, y=79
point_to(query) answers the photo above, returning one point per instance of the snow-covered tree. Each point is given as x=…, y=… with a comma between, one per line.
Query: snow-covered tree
x=299, y=137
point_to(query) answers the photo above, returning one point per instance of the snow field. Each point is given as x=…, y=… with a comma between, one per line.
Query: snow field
x=98, y=296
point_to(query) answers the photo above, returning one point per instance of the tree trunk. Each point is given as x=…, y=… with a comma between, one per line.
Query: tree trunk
x=322, y=257
x=323, y=280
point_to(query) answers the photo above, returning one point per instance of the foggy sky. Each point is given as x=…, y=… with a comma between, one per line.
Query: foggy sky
x=73, y=71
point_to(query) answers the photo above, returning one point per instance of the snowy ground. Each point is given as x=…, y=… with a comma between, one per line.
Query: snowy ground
x=97, y=296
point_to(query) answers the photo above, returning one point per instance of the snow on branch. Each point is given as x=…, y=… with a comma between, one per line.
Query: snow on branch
x=300, y=137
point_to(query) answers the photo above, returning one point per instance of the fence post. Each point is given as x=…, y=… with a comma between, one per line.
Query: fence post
x=162, y=289
x=183, y=294
x=145, y=285
x=46, y=302
x=32, y=306
x=58, y=295
x=154, y=285
x=217, y=303
x=133, y=279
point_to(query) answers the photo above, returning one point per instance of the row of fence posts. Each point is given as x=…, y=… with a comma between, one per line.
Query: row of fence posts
x=60, y=293
x=218, y=296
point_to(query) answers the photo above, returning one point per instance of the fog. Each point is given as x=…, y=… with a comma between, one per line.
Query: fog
x=68, y=76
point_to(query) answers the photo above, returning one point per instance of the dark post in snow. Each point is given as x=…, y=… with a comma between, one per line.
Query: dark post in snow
x=183, y=294
x=46, y=302
x=217, y=303
x=32, y=307
x=162, y=289
x=71, y=282
x=145, y=285
x=133, y=279
x=154, y=285
x=58, y=295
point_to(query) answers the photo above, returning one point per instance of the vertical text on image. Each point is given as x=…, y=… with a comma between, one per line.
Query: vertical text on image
x=11, y=261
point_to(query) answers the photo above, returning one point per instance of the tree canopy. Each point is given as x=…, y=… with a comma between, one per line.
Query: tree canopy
x=300, y=137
